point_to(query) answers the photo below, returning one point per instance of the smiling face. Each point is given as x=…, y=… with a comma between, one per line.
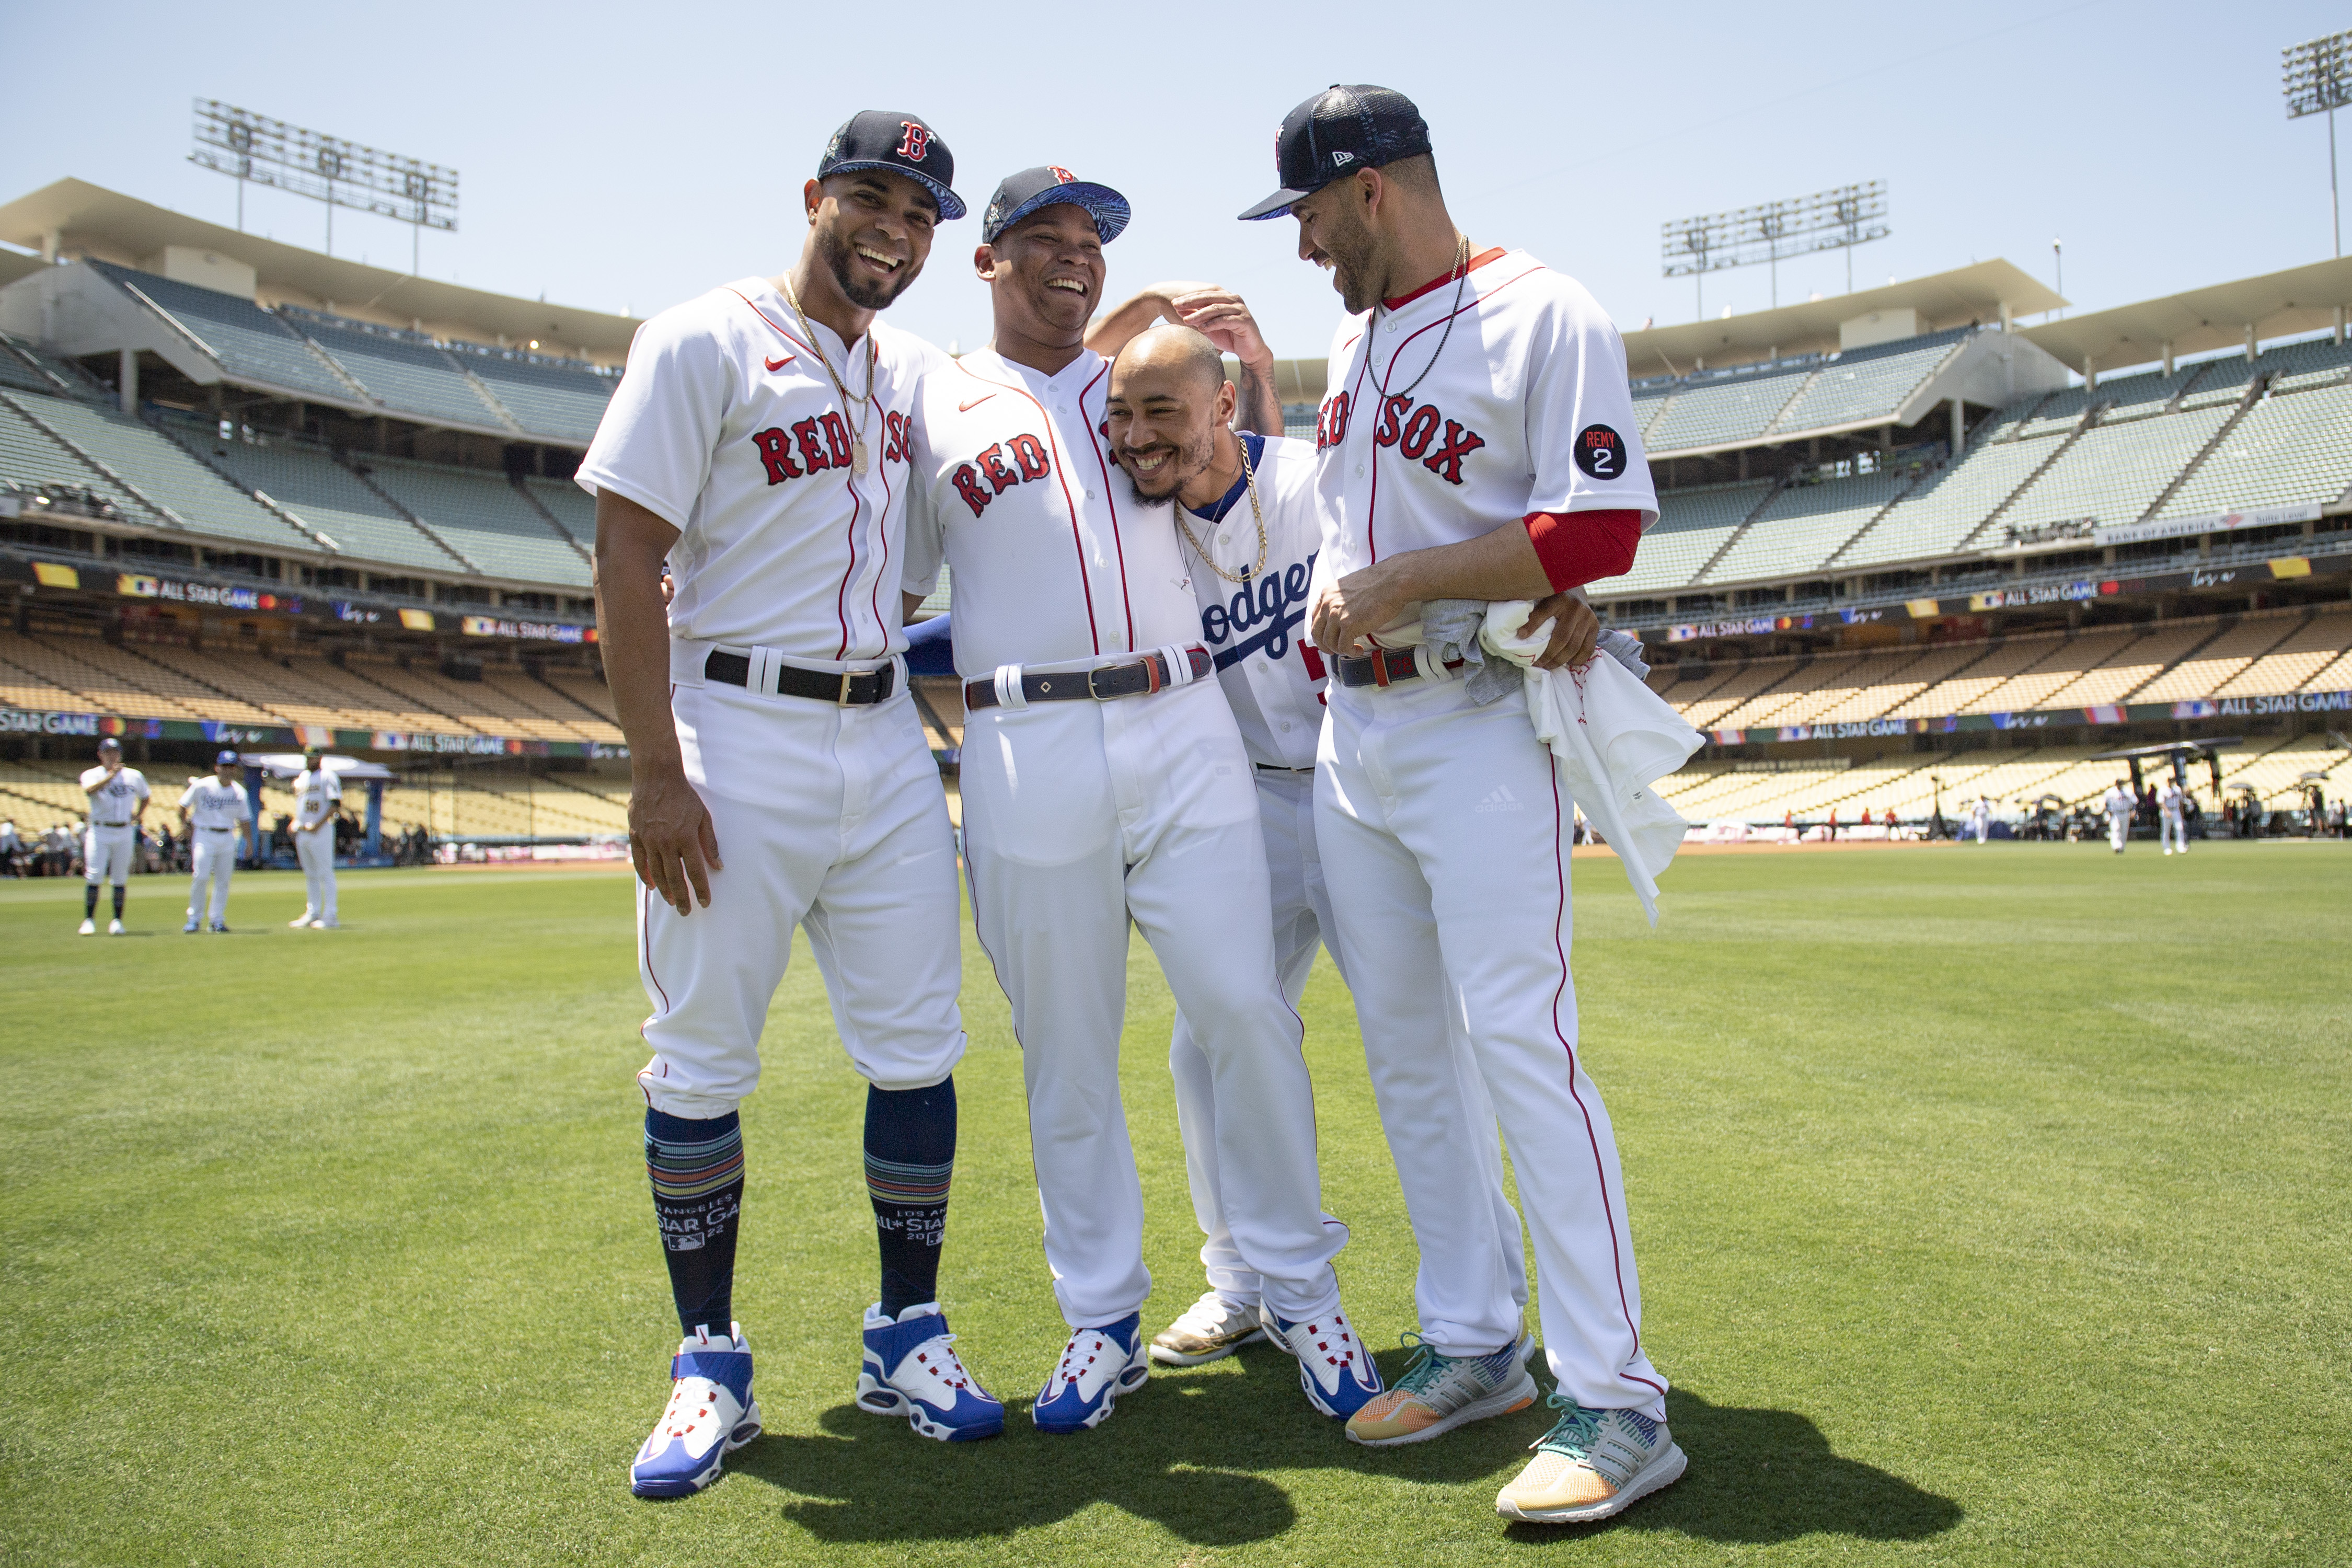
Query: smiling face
x=1334, y=232
x=873, y=232
x=1046, y=273
x=1168, y=396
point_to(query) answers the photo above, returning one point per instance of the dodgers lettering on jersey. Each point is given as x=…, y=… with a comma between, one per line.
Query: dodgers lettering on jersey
x=1272, y=674
x=118, y=801
x=1524, y=409
x=1055, y=558
x=727, y=426
x=316, y=796
x=212, y=805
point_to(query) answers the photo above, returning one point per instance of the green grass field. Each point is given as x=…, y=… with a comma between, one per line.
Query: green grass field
x=1991, y=1206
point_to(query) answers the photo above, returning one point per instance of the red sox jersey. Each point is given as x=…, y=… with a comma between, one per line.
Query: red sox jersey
x=1525, y=408
x=1055, y=559
x=789, y=506
x=1272, y=674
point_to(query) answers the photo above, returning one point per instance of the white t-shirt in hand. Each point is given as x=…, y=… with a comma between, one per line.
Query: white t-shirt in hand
x=118, y=802
x=1524, y=409
x=212, y=805
x=316, y=794
x=727, y=426
x=1055, y=560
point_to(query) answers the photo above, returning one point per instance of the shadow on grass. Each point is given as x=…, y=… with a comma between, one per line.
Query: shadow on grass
x=1194, y=1454
x=1761, y=1476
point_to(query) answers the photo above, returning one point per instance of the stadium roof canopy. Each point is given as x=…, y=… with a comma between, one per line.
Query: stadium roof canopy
x=75, y=218
x=2226, y=315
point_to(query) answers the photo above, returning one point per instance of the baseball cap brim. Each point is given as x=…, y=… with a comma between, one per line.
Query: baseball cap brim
x=950, y=204
x=1275, y=204
x=1106, y=207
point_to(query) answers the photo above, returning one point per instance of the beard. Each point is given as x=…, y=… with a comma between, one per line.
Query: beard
x=1191, y=460
x=1350, y=254
x=862, y=292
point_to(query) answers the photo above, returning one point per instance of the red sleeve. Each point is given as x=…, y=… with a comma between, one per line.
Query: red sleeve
x=1580, y=547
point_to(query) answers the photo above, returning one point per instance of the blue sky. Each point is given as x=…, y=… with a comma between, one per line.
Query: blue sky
x=612, y=157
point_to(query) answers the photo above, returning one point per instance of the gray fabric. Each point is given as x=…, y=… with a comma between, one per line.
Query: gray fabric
x=1449, y=629
x=1627, y=649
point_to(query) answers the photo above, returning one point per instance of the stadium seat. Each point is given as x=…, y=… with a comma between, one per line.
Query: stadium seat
x=1803, y=526
x=330, y=497
x=1692, y=526
x=401, y=371
x=484, y=518
x=249, y=342
x=203, y=500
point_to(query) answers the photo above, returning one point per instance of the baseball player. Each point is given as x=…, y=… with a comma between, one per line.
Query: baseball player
x=1250, y=523
x=2172, y=815
x=213, y=810
x=1477, y=442
x=758, y=445
x=1980, y=819
x=118, y=810
x=2119, y=803
x=317, y=795
x=1105, y=782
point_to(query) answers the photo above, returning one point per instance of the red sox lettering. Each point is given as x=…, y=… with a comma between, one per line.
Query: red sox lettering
x=1411, y=429
x=821, y=441
x=999, y=468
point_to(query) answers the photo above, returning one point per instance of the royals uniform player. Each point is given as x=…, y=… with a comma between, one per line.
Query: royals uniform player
x=758, y=442
x=214, y=808
x=118, y=805
x=1104, y=781
x=1477, y=442
x=318, y=794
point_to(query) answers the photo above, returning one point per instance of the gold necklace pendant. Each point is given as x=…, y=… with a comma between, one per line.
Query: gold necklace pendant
x=857, y=457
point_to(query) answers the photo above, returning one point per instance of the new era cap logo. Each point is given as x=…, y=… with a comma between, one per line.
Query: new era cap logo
x=1340, y=158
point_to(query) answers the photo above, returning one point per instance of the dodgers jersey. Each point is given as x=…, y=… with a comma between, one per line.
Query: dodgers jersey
x=316, y=796
x=727, y=426
x=1272, y=674
x=1524, y=409
x=116, y=804
x=213, y=806
x=1055, y=560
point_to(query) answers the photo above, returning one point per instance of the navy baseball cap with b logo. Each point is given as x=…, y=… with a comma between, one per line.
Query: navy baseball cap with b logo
x=1024, y=192
x=1338, y=132
x=899, y=143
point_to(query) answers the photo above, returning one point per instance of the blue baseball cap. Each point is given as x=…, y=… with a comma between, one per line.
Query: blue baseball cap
x=1338, y=132
x=1030, y=189
x=899, y=143
x=228, y=757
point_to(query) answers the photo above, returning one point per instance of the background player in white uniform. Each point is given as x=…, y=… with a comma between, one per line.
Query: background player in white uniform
x=2119, y=804
x=781, y=776
x=118, y=809
x=1478, y=443
x=213, y=810
x=1250, y=524
x=2172, y=814
x=1980, y=819
x=318, y=796
x=1103, y=781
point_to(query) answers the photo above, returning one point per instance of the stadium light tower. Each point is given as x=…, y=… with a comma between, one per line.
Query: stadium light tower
x=245, y=146
x=2317, y=80
x=1839, y=219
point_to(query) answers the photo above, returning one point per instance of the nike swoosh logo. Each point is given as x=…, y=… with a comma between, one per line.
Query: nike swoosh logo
x=968, y=407
x=777, y=364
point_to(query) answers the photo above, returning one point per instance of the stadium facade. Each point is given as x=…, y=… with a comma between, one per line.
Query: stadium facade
x=1909, y=548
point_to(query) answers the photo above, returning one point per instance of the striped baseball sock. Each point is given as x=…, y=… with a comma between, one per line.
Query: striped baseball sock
x=910, y=1137
x=697, y=1169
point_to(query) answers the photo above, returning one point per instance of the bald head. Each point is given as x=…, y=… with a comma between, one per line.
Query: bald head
x=1173, y=350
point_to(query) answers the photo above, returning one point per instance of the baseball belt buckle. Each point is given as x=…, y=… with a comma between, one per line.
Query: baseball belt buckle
x=841, y=701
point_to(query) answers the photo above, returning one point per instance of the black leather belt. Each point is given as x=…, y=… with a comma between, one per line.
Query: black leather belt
x=110, y=824
x=1272, y=768
x=1139, y=678
x=854, y=688
x=1383, y=667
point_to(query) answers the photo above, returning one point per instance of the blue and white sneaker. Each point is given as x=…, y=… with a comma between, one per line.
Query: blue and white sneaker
x=1333, y=1365
x=710, y=1414
x=190, y=929
x=1097, y=1366
x=911, y=1369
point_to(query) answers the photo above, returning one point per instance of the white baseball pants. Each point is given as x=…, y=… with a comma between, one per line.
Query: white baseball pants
x=211, y=857
x=1444, y=835
x=833, y=819
x=1078, y=817
x=316, y=852
x=1302, y=921
x=106, y=854
x=2174, y=831
x=2119, y=828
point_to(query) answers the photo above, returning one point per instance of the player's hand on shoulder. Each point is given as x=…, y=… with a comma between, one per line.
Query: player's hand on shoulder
x=671, y=840
x=1575, y=631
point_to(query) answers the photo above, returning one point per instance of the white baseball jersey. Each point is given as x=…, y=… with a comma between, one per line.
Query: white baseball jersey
x=1055, y=559
x=213, y=806
x=2172, y=797
x=1525, y=408
x=116, y=804
x=2118, y=802
x=317, y=793
x=789, y=507
x=1272, y=674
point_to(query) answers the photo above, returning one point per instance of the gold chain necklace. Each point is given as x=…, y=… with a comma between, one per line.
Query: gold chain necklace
x=1249, y=474
x=865, y=403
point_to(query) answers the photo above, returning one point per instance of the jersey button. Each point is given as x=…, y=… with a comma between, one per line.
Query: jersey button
x=1359, y=470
